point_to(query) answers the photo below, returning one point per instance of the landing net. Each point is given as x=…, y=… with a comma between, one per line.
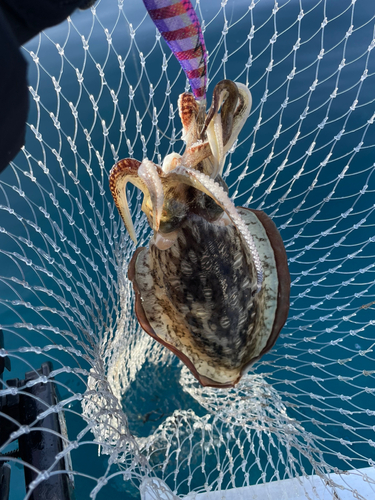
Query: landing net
x=103, y=86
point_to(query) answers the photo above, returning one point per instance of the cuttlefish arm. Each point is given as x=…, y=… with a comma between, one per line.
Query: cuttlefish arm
x=222, y=129
x=192, y=115
x=191, y=158
x=240, y=115
x=144, y=175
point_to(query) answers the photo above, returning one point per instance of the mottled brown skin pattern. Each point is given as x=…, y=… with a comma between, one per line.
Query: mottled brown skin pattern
x=188, y=111
x=212, y=270
x=182, y=199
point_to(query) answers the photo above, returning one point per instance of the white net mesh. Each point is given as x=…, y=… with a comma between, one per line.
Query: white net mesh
x=104, y=86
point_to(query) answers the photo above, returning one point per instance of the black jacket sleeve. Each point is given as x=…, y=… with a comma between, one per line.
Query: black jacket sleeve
x=21, y=20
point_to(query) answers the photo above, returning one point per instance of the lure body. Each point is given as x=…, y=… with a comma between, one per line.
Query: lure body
x=178, y=24
x=213, y=286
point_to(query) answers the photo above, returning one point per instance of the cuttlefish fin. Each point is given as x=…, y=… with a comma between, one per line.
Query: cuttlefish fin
x=144, y=175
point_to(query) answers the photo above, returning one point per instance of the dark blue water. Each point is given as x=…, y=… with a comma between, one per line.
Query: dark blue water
x=303, y=214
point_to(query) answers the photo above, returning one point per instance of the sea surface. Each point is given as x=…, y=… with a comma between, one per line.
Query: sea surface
x=146, y=413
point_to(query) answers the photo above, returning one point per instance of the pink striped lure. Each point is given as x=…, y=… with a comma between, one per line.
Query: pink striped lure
x=179, y=26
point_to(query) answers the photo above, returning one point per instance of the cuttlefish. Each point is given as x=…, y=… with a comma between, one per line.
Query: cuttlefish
x=213, y=285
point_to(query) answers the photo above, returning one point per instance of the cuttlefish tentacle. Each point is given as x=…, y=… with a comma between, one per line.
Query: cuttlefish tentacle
x=211, y=188
x=240, y=115
x=150, y=174
x=121, y=173
x=225, y=96
x=222, y=128
x=217, y=126
x=145, y=176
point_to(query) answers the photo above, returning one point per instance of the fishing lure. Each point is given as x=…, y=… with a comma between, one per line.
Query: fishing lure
x=178, y=24
x=213, y=286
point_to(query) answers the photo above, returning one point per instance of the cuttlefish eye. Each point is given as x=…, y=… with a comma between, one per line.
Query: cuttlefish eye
x=213, y=285
x=174, y=214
